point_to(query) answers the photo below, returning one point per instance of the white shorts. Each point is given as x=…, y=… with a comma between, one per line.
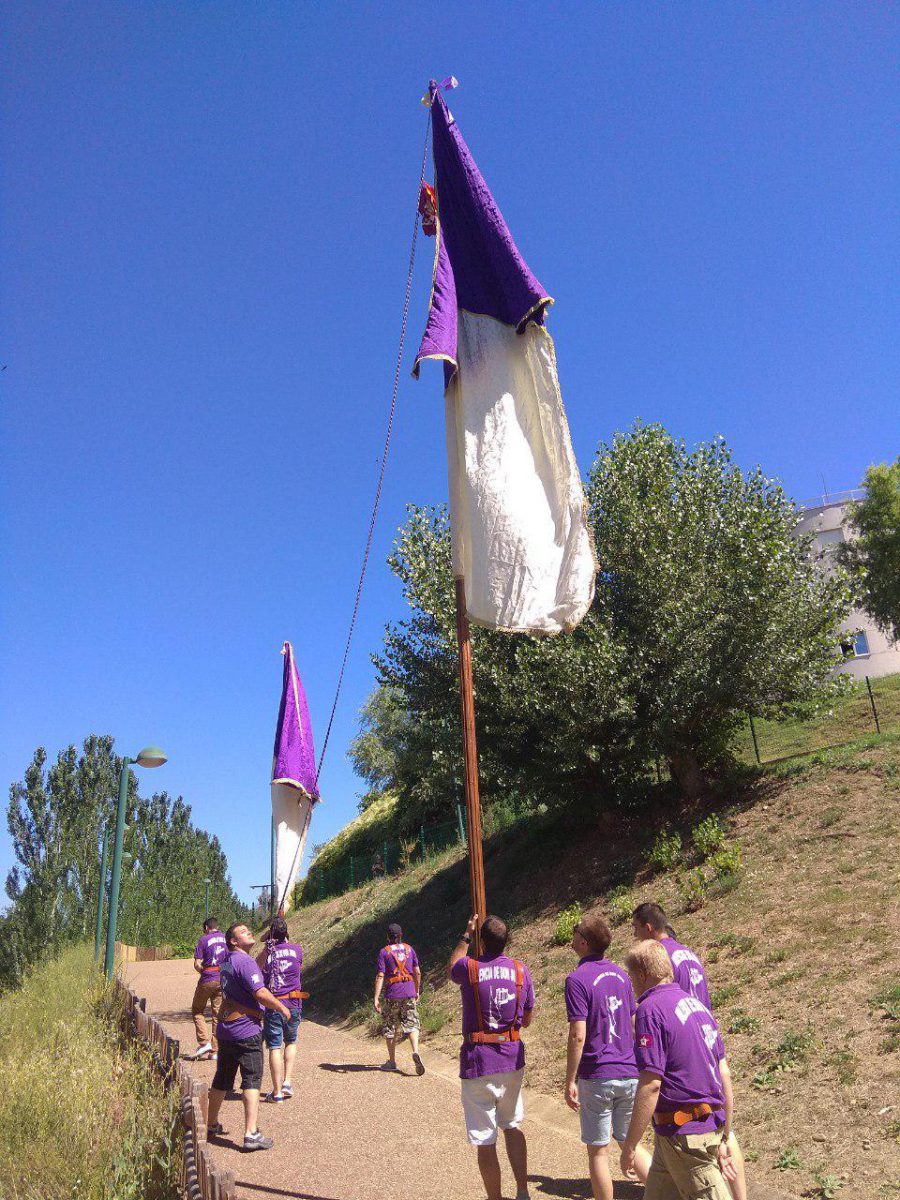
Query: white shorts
x=492, y=1102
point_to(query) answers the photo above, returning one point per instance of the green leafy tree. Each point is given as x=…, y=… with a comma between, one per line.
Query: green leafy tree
x=55, y=818
x=719, y=607
x=875, y=553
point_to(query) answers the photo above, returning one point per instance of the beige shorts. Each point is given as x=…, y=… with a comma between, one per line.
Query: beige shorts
x=492, y=1102
x=686, y=1167
x=402, y=1015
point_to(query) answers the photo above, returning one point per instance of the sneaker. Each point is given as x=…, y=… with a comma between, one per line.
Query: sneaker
x=272, y=1098
x=215, y=1130
x=420, y=1066
x=202, y=1051
x=388, y=1066
x=287, y=1090
x=256, y=1141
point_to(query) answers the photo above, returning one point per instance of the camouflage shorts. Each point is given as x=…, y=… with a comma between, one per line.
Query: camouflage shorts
x=398, y=1013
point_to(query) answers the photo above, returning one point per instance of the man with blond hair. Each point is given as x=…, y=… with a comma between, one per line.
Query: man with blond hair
x=684, y=1086
x=601, y=1073
x=650, y=921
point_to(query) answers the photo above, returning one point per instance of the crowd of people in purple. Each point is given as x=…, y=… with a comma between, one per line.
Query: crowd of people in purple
x=644, y=1049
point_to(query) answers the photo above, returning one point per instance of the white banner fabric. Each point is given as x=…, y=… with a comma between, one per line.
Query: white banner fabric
x=290, y=812
x=521, y=540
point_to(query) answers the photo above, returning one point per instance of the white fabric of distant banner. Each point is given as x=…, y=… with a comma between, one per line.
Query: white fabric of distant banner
x=521, y=540
x=290, y=812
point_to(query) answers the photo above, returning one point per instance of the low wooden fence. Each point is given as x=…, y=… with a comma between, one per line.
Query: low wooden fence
x=200, y=1179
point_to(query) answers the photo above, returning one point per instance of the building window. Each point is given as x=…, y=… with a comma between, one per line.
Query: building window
x=860, y=645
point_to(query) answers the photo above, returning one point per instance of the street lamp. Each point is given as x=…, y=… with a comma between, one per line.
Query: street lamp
x=101, y=892
x=150, y=756
x=207, y=882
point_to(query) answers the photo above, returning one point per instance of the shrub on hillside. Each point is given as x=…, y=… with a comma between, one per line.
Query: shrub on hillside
x=708, y=837
x=665, y=853
x=620, y=905
x=693, y=889
x=565, y=924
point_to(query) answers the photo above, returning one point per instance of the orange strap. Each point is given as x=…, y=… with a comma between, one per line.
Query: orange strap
x=295, y=995
x=512, y=1033
x=689, y=1112
x=402, y=973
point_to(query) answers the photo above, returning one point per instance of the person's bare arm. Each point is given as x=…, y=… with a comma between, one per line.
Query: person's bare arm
x=198, y=965
x=526, y=1017
x=262, y=959
x=461, y=948
x=267, y=1000
x=379, y=983
x=727, y=1164
x=417, y=978
x=577, y=1034
x=644, y=1108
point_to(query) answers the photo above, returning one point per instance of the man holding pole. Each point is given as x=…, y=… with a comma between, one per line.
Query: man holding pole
x=245, y=999
x=281, y=962
x=497, y=1003
x=209, y=953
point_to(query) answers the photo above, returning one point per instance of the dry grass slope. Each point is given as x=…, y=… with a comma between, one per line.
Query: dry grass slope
x=801, y=949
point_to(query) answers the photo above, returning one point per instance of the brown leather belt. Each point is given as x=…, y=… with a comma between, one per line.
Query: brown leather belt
x=689, y=1112
x=483, y=1039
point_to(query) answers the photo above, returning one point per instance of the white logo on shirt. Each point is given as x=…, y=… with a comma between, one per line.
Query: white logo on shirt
x=612, y=1003
x=690, y=1004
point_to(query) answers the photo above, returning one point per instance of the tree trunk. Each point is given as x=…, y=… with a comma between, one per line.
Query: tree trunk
x=686, y=772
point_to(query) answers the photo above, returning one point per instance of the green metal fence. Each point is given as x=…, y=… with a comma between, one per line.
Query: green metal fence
x=381, y=858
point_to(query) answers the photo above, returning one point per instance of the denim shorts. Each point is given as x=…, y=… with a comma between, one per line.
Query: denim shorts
x=606, y=1105
x=276, y=1029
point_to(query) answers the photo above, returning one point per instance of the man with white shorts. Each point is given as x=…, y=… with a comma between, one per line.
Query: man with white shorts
x=601, y=1072
x=497, y=1002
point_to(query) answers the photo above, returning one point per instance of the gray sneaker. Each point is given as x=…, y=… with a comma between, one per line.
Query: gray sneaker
x=389, y=1066
x=256, y=1141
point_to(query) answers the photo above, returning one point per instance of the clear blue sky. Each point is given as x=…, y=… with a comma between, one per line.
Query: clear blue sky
x=207, y=218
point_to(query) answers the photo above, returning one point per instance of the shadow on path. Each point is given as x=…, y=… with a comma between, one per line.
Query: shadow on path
x=580, y=1189
x=347, y=1068
x=268, y=1190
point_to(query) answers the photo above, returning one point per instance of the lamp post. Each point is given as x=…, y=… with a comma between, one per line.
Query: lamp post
x=101, y=892
x=150, y=756
x=206, y=914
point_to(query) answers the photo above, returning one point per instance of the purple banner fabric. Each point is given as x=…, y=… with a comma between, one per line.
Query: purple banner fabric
x=477, y=266
x=295, y=760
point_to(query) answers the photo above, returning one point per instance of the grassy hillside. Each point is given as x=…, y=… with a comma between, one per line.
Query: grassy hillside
x=79, y=1117
x=800, y=944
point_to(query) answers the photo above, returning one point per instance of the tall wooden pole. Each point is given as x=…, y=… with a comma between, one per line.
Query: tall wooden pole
x=470, y=755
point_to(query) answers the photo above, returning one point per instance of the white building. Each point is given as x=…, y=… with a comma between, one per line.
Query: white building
x=872, y=653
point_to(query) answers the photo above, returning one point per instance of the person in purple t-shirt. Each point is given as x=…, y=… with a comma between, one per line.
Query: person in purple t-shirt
x=497, y=1002
x=601, y=1075
x=244, y=1000
x=281, y=962
x=684, y=1086
x=650, y=921
x=208, y=955
x=399, y=965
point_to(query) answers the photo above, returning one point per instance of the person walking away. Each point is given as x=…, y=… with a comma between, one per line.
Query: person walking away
x=601, y=1073
x=398, y=965
x=497, y=1003
x=650, y=921
x=208, y=955
x=281, y=962
x=684, y=1086
x=244, y=1000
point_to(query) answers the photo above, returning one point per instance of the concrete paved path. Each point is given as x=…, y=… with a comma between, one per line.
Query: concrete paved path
x=353, y=1133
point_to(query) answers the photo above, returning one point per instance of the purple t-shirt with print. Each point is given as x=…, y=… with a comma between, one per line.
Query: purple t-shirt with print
x=388, y=961
x=676, y=1038
x=600, y=993
x=497, y=991
x=211, y=951
x=688, y=970
x=282, y=970
x=241, y=980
